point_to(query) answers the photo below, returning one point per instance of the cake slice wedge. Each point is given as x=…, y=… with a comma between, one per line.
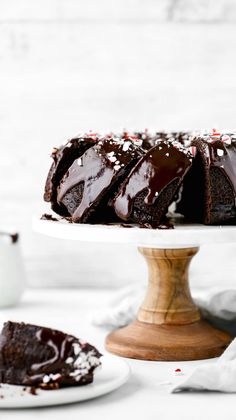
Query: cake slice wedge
x=37, y=356
x=63, y=157
x=209, y=188
x=151, y=186
x=94, y=178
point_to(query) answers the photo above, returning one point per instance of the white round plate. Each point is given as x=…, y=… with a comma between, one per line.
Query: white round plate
x=180, y=236
x=113, y=373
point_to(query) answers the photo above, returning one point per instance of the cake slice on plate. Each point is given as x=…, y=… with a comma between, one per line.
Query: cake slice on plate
x=43, y=357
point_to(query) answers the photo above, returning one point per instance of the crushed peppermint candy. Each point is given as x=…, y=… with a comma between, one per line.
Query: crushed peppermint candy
x=51, y=377
x=82, y=362
x=215, y=132
x=112, y=158
x=126, y=146
x=226, y=139
x=220, y=152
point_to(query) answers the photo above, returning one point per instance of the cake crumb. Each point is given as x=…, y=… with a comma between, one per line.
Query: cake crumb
x=46, y=216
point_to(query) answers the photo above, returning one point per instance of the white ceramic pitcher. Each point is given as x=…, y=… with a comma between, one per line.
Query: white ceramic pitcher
x=12, y=272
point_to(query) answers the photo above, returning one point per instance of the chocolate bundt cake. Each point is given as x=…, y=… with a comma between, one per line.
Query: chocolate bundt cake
x=209, y=188
x=63, y=157
x=150, y=187
x=42, y=357
x=93, y=179
x=134, y=178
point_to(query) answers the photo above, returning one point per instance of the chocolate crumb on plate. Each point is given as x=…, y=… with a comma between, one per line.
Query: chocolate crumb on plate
x=46, y=216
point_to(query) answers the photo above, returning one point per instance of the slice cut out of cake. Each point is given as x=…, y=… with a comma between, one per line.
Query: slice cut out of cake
x=42, y=357
x=93, y=179
x=149, y=189
x=63, y=157
x=209, y=188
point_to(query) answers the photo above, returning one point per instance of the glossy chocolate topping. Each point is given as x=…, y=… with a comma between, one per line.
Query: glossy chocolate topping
x=162, y=164
x=97, y=170
x=63, y=157
x=61, y=346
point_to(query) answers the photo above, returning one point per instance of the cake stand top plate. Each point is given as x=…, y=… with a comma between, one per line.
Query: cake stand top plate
x=179, y=237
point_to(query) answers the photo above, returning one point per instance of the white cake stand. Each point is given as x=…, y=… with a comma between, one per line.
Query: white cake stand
x=168, y=324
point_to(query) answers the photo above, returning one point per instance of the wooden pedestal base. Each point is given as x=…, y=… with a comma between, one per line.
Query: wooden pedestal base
x=168, y=325
x=167, y=342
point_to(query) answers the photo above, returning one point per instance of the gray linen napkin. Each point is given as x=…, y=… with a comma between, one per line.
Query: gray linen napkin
x=217, y=305
x=217, y=376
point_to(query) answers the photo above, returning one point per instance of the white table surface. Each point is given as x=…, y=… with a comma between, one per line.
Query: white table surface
x=143, y=396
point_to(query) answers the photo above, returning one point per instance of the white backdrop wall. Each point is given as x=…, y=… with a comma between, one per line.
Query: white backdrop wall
x=72, y=65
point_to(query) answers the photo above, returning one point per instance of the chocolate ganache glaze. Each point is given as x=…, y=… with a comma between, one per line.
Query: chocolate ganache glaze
x=145, y=188
x=93, y=178
x=38, y=356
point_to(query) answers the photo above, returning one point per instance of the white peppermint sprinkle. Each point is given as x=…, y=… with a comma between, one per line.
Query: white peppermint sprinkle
x=55, y=376
x=156, y=194
x=46, y=379
x=112, y=158
x=83, y=363
x=220, y=152
x=69, y=360
x=126, y=145
x=117, y=167
x=226, y=139
x=77, y=348
x=167, y=154
x=76, y=373
x=79, y=162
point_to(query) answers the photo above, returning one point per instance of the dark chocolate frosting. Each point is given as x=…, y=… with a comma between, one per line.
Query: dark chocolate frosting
x=160, y=165
x=97, y=170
